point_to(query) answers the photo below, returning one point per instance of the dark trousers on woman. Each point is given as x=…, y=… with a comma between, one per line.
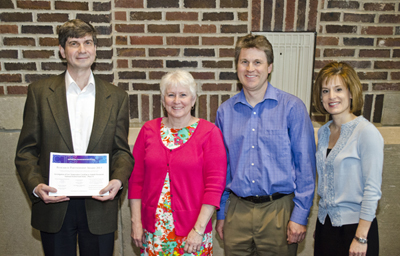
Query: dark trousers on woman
x=63, y=243
x=336, y=241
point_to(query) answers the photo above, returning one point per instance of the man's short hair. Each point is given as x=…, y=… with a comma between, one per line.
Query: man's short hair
x=75, y=29
x=349, y=78
x=254, y=41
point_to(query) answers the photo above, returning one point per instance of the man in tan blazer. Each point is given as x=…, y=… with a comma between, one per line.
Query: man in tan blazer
x=74, y=112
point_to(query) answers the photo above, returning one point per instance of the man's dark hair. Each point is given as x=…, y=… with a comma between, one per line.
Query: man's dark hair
x=75, y=29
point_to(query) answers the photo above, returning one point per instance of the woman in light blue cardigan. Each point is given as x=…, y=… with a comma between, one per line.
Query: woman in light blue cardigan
x=349, y=164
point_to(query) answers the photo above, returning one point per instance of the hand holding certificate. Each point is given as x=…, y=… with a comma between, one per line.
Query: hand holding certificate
x=78, y=175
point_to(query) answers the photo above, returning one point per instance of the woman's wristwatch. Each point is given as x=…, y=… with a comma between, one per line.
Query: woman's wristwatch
x=361, y=240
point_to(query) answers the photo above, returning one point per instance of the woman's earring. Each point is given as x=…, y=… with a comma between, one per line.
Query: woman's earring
x=192, y=107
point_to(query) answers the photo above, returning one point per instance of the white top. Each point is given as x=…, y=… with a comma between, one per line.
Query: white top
x=80, y=111
x=350, y=178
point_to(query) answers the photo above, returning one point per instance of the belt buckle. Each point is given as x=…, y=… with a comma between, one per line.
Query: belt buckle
x=270, y=198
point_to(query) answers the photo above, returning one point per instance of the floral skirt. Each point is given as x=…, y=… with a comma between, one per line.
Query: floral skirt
x=164, y=241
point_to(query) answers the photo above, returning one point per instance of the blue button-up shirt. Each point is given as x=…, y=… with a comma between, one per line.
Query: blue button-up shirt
x=270, y=149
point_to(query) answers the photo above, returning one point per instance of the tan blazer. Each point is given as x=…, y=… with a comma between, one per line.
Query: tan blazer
x=46, y=129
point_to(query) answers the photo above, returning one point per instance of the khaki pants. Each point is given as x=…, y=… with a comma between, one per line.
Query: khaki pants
x=258, y=229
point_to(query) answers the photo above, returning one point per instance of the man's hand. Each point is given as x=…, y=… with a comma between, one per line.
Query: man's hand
x=295, y=232
x=42, y=190
x=219, y=227
x=112, y=187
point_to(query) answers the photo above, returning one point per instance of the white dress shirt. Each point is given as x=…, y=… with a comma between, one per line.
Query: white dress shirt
x=80, y=111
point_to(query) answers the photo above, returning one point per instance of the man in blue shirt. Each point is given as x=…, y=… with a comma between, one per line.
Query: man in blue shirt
x=270, y=144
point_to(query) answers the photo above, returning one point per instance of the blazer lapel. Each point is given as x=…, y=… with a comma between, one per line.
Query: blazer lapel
x=58, y=107
x=102, y=111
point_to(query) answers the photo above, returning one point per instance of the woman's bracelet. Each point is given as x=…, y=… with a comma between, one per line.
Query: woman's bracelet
x=198, y=232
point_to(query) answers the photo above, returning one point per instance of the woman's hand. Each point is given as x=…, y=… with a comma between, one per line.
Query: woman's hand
x=137, y=235
x=358, y=249
x=193, y=242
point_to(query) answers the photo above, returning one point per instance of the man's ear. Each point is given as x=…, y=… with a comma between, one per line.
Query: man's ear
x=62, y=51
x=270, y=68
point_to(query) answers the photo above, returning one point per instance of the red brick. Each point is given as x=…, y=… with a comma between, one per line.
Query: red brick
x=124, y=86
x=199, y=52
x=121, y=40
x=8, y=29
x=131, y=75
x=10, y=78
x=313, y=15
x=192, y=40
x=341, y=29
x=352, y=17
x=377, y=30
x=379, y=7
x=344, y=4
x=235, y=29
x=396, y=53
x=278, y=15
x=20, y=66
x=35, y=29
x=147, y=64
x=327, y=40
x=388, y=42
x=101, y=7
x=226, y=53
x=104, y=54
x=47, y=41
x=387, y=65
x=37, y=54
x=203, y=75
x=60, y=66
x=233, y=4
x=317, y=53
x=131, y=52
x=129, y=3
x=52, y=17
x=217, y=64
x=104, y=42
x=30, y=78
x=124, y=28
x=372, y=75
x=133, y=106
x=7, y=4
x=62, y=5
x=389, y=19
x=170, y=28
x=9, y=54
x=395, y=75
x=120, y=16
x=100, y=66
x=256, y=15
x=227, y=76
x=243, y=16
x=162, y=4
x=199, y=29
x=147, y=40
x=290, y=15
x=145, y=16
x=218, y=41
x=156, y=106
x=17, y=89
x=359, y=64
x=181, y=64
x=363, y=41
x=36, y=5
x=145, y=87
x=182, y=16
x=199, y=4
x=216, y=87
x=156, y=74
x=301, y=15
x=163, y=52
x=122, y=64
x=218, y=16
x=213, y=107
x=1, y=90
x=318, y=64
x=386, y=87
x=15, y=17
x=145, y=107
x=339, y=52
x=224, y=98
x=374, y=53
x=330, y=16
x=23, y=41
x=95, y=18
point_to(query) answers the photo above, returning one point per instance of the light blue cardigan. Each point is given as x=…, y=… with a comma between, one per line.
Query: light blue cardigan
x=350, y=178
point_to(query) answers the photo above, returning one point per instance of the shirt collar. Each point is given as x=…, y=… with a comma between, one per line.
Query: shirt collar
x=71, y=85
x=270, y=94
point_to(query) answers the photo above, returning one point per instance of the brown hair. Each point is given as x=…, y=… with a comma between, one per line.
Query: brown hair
x=349, y=78
x=75, y=29
x=254, y=41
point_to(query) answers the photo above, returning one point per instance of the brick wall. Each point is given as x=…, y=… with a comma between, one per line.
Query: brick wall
x=140, y=40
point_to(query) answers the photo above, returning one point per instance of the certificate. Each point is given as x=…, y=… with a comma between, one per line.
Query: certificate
x=78, y=175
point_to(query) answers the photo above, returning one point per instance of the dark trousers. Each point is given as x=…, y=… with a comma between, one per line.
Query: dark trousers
x=75, y=227
x=336, y=241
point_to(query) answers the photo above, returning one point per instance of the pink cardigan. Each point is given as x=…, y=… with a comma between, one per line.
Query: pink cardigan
x=197, y=171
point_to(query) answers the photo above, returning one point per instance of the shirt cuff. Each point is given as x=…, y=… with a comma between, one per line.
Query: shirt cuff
x=300, y=216
x=33, y=192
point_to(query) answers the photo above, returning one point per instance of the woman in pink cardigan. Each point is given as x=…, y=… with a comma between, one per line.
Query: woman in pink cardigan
x=179, y=175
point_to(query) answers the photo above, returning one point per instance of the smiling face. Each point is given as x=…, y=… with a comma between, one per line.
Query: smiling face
x=178, y=101
x=336, y=97
x=80, y=53
x=253, y=69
